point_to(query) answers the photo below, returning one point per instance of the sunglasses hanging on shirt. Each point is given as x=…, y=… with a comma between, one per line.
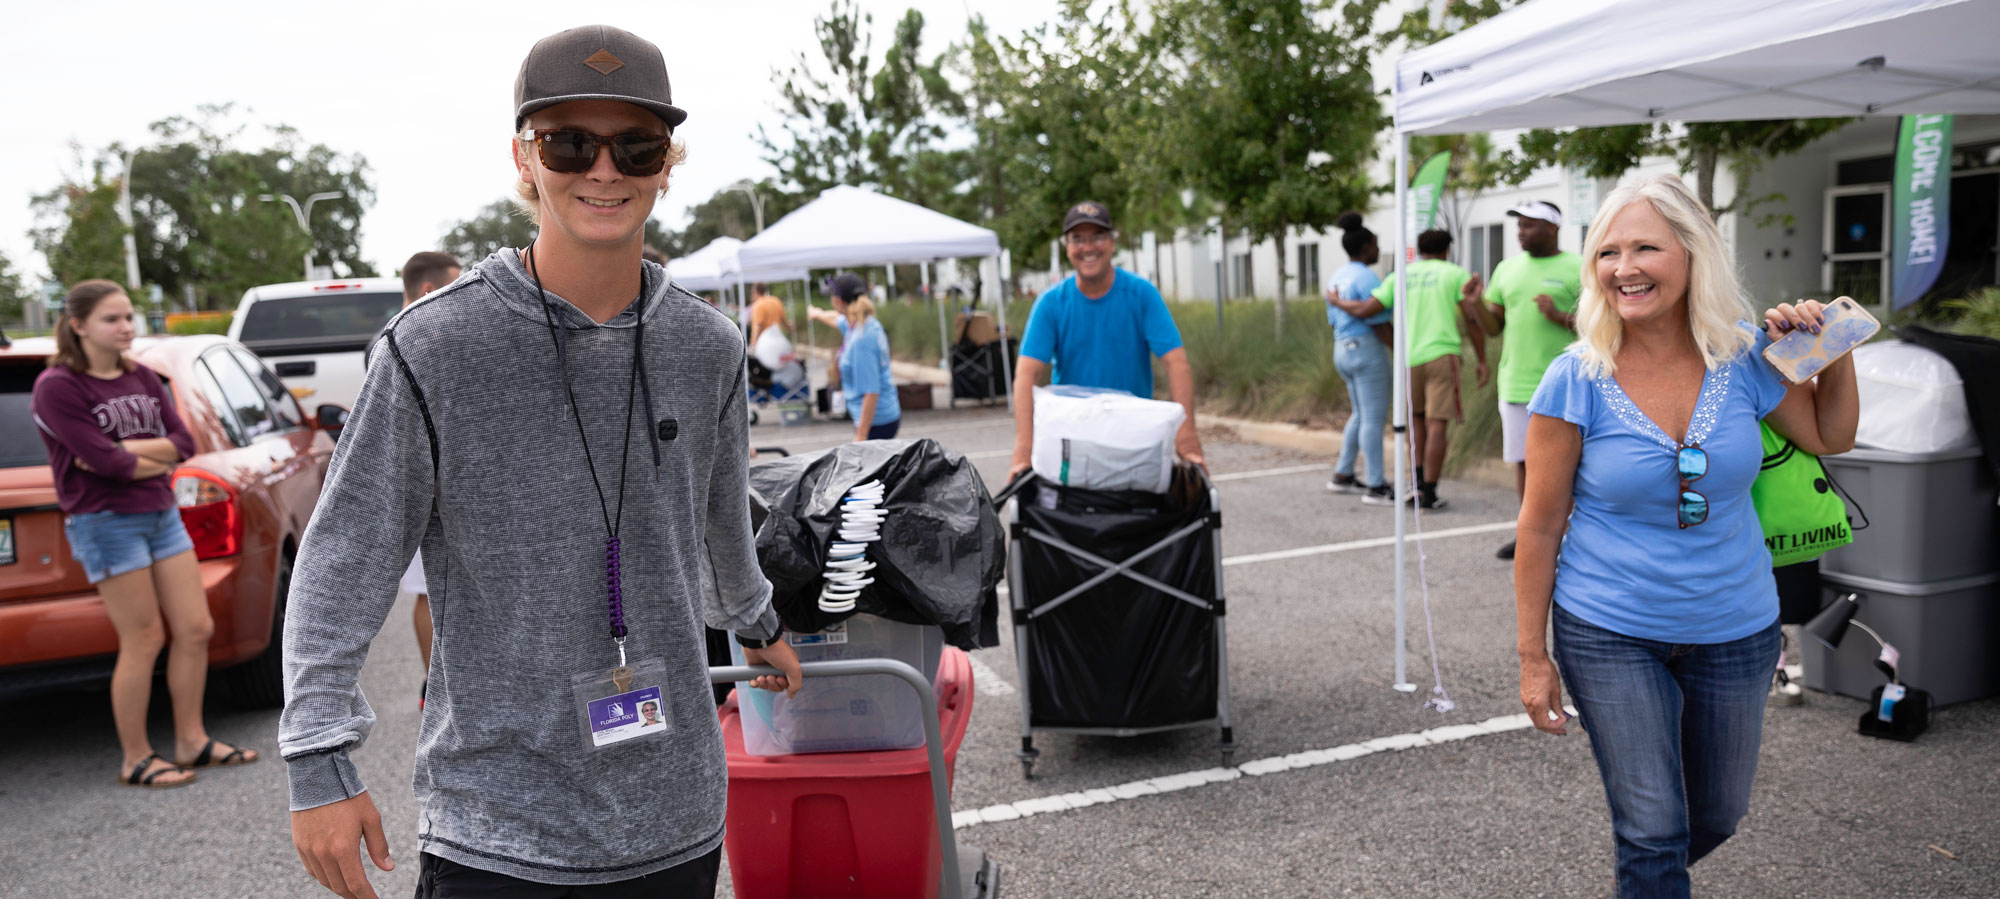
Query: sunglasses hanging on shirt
x=1692, y=464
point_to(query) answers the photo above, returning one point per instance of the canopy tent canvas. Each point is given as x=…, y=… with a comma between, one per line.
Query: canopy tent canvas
x=715, y=266
x=1574, y=63
x=853, y=226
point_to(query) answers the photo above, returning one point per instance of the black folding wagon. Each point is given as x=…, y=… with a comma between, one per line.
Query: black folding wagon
x=1118, y=609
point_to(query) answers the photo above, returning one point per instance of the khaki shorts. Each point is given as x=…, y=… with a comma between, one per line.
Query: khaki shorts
x=1434, y=389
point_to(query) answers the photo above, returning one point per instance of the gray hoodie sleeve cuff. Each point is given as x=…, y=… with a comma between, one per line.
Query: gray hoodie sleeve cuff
x=322, y=778
x=766, y=626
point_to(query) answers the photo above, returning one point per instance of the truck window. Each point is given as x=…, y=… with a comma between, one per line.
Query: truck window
x=334, y=322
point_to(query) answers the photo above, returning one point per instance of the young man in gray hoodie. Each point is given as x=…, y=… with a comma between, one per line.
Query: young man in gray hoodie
x=563, y=433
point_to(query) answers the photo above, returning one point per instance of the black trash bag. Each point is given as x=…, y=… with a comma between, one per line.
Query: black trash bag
x=1121, y=654
x=942, y=551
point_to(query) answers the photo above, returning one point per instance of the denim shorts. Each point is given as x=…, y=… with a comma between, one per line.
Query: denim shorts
x=108, y=544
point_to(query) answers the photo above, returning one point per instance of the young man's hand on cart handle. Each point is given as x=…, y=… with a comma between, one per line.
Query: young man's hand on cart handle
x=329, y=839
x=778, y=655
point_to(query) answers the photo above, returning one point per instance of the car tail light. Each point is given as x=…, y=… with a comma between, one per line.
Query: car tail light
x=209, y=509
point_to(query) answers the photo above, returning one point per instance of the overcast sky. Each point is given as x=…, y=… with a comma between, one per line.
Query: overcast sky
x=422, y=90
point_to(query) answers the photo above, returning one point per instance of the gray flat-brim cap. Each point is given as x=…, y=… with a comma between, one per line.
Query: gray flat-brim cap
x=595, y=62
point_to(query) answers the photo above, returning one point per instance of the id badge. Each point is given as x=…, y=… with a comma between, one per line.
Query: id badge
x=624, y=703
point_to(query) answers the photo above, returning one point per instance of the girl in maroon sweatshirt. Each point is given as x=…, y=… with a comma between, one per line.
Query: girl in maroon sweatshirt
x=113, y=439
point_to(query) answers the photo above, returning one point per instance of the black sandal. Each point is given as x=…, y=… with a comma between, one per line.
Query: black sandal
x=134, y=780
x=206, y=759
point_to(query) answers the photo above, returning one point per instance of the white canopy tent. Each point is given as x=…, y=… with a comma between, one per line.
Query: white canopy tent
x=715, y=267
x=1574, y=63
x=853, y=226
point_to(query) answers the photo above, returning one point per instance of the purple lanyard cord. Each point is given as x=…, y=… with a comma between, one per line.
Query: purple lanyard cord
x=613, y=584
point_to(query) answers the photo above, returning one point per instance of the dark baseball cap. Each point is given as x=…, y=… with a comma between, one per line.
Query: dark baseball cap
x=1087, y=213
x=595, y=62
x=847, y=286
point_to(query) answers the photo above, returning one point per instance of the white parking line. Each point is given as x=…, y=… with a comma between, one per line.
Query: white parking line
x=1268, y=472
x=1369, y=543
x=1042, y=805
x=988, y=681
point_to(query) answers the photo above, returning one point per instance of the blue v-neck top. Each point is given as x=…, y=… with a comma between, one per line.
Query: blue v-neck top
x=1626, y=565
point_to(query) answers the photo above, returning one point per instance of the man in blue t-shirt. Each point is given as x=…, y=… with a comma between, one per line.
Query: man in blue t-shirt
x=1100, y=328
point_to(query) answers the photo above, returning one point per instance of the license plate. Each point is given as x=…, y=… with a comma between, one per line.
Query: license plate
x=6, y=540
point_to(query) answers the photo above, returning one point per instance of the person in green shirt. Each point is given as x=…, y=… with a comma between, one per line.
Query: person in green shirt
x=1438, y=291
x=1532, y=298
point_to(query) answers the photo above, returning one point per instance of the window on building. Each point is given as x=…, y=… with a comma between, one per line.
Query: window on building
x=1871, y=170
x=1484, y=248
x=1245, y=287
x=1309, y=269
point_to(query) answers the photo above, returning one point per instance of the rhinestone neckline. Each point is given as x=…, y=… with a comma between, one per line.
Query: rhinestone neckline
x=1707, y=409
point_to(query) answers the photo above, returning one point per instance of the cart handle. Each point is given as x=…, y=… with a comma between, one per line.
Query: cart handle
x=933, y=738
x=1014, y=486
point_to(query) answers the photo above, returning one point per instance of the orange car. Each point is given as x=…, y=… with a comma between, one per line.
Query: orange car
x=245, y=496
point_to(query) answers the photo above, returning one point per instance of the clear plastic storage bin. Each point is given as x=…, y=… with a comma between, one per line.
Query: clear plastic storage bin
x=844, y=714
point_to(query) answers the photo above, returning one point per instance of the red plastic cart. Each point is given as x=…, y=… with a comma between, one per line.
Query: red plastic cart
x=866, y=825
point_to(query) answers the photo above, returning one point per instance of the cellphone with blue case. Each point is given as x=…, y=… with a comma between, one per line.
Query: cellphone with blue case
x=1800, y=355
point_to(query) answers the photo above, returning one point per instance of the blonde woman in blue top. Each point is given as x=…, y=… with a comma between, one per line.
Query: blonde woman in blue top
x=866, y=386
x=1638, y=542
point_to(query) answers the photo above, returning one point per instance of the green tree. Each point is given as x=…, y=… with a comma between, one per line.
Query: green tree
x=79, y=231
x=14, y=294
x=849, y=119
x=1274, y=115
x=729, y=213
x=1700, y=149
x=196, y=217
x=495, y=226
x=1049, y=105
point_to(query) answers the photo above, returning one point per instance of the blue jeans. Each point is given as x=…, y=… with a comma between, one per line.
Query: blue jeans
x=1675, y=729
x=1363, y=362
x=108, y=544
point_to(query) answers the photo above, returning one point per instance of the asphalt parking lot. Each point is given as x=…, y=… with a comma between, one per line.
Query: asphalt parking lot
x=1328, y=794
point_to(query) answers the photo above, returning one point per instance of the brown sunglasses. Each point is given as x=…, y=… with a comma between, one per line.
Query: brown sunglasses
x=572, y=152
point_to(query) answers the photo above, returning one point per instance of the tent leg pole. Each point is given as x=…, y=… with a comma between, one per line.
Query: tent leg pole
x=1006, y=358
x=1399, y=373
x=944, y=332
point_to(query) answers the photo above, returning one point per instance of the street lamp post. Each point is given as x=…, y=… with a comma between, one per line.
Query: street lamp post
x=304, y=215
x=756, y=202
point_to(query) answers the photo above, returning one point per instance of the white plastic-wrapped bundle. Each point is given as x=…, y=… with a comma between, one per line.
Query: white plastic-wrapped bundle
x=1912, y=400
x=1104, y=439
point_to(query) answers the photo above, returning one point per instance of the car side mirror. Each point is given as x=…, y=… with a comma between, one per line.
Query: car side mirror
x=332, y=418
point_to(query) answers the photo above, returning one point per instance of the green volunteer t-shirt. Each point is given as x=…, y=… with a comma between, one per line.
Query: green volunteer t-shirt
x=1433, y=314
x=1532, y=341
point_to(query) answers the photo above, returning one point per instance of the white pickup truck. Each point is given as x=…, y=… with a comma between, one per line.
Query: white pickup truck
x=314, y=333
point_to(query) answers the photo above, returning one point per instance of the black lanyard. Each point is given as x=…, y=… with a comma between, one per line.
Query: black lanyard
x=613, y=586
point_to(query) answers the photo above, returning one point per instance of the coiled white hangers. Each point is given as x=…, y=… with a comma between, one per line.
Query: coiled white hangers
x=847, y=565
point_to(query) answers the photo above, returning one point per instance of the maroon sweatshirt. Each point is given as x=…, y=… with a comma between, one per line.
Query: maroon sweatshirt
x=82, y=418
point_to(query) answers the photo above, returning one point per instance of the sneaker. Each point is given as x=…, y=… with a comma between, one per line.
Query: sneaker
x=1506, y=551
x=1379, y=495
x=1784, y=693
x=1344, y=483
